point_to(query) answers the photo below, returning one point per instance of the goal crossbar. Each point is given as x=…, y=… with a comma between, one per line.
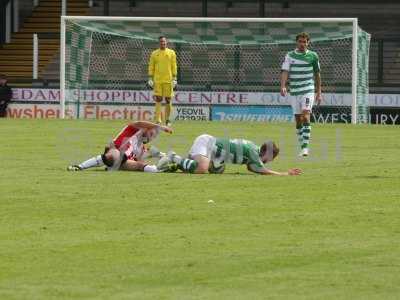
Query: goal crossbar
x=352, y=21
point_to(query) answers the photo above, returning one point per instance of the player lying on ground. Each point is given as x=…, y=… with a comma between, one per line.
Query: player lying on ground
x=127, y=150
x=210, y=154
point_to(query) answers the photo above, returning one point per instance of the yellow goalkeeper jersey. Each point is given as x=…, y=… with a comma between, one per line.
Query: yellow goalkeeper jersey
x=162, y=65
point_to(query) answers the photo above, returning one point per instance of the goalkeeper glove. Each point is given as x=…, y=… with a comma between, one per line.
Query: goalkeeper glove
x=150, y=82
x=174, y=83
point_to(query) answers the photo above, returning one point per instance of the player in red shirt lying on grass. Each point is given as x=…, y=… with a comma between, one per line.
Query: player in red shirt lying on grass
x=128, y=151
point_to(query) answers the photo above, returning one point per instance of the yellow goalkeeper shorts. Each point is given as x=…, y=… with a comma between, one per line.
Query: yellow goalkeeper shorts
x=163, y=90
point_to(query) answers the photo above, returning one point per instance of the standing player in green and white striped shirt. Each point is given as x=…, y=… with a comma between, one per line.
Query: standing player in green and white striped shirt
x=210, y=154
x=301, y=68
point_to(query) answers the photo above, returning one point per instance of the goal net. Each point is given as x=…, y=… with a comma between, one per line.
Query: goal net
x=213, y=55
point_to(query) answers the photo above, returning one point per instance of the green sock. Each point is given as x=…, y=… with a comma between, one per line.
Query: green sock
x=188, y=165
x=299, y=129
x=306, y=135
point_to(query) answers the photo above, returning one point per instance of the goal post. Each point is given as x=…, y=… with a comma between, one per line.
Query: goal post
x=214, y=54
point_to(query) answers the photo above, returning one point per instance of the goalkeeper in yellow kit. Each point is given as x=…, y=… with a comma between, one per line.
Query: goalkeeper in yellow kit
x=162, y=78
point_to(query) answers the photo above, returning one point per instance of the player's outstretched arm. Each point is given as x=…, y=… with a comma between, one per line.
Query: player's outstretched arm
x=150, y=125
x=290, y=172
x=265, y=171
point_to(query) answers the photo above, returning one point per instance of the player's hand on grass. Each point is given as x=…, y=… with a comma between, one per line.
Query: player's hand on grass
x=167, y=129
x=150, y=82
x=294, y=171
x=283, y=91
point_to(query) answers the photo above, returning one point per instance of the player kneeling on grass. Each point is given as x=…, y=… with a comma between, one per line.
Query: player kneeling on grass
x=127, y=151
x=210, y=154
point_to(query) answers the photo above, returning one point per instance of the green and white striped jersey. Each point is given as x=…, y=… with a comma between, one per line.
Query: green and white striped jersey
x=301, y=67
x=238, y=151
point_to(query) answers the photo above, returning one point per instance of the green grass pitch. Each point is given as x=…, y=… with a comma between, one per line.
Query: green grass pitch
x=332, y=233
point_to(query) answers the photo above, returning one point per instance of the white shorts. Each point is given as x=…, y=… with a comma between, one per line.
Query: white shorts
x=302, y=103
x=203, y=145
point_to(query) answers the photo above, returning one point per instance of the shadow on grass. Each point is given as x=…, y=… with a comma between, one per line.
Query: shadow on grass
x=181, y=173
x=375, y=177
